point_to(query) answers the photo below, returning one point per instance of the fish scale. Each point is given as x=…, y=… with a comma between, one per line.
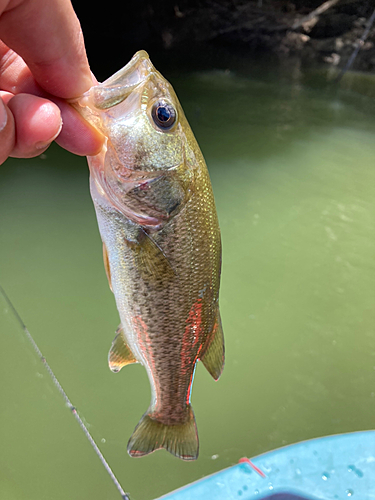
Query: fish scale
x=162, y=251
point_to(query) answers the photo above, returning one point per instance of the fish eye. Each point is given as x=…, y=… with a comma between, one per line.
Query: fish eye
x=164, y=114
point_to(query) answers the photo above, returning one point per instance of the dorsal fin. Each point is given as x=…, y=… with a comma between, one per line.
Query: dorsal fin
x=213, y=358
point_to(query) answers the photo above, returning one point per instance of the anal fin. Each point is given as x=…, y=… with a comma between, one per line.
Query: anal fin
x=120, y=354
x=214, y=356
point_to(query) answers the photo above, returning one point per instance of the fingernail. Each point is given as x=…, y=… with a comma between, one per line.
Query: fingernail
x=45, y=144
x=3, y=115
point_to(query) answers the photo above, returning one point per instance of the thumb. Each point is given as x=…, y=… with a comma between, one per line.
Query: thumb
x=7, y=132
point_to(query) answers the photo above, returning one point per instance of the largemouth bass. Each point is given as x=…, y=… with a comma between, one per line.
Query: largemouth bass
x=161, y=245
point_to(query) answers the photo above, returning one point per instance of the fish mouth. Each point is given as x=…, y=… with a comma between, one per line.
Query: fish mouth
x=120, y=85
x=135, y=71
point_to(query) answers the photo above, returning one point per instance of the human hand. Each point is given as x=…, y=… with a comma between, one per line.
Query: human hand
x=42, y=62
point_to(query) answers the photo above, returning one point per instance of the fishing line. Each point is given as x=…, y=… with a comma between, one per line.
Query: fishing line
x=68, y=403
x=360, y=44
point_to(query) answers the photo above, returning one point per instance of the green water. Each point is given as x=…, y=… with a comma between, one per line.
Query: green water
x=292, y=167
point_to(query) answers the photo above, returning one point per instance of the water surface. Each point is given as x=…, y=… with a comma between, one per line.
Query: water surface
x=292, y=167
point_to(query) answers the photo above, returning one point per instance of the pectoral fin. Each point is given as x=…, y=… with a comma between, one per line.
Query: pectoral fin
x=150, y=259
x=213, y=358
x=120, y=354
x=106, y=266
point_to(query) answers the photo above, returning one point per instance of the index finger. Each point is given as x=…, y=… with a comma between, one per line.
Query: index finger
x=48, y=36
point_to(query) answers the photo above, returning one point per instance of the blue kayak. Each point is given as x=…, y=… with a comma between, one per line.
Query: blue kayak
x=329, y=468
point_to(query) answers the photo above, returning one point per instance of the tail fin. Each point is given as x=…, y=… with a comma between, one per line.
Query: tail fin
x=181, y=439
